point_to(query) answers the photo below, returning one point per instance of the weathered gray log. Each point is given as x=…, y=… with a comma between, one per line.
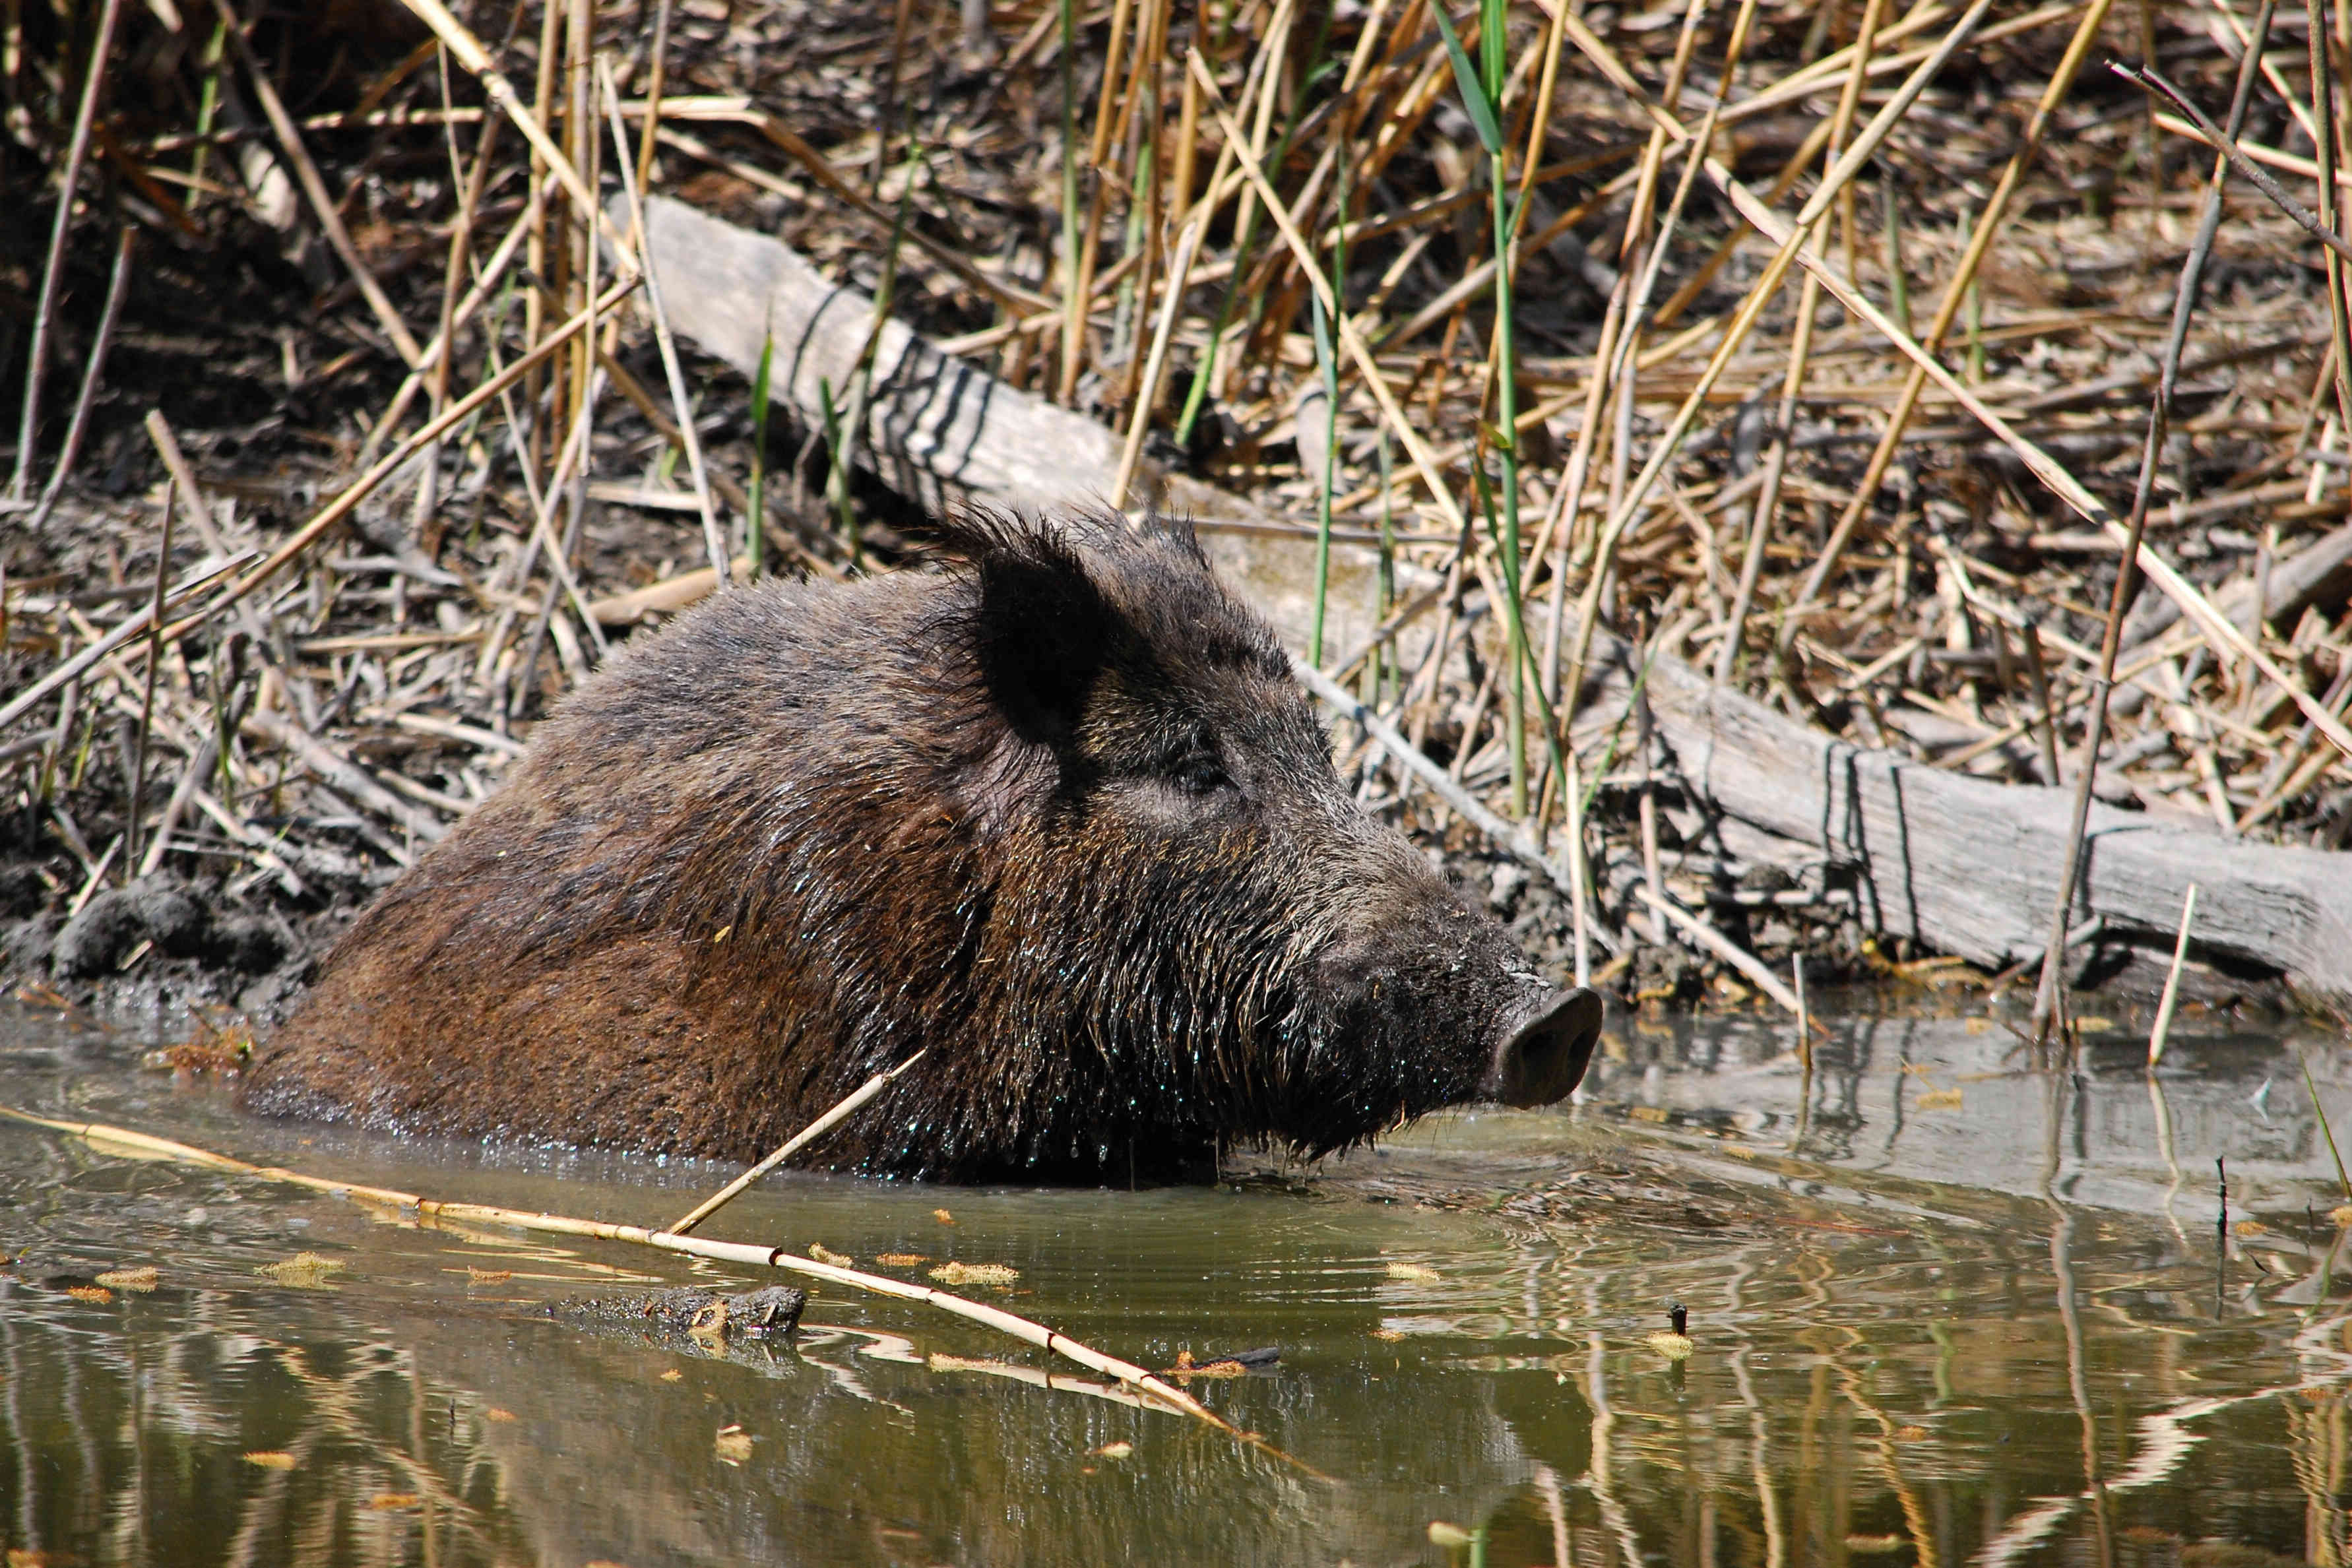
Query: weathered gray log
x=941, y=430
x=1970, y=866
x=1965, y=865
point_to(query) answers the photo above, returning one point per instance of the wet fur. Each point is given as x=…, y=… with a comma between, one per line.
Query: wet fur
x=810, y=828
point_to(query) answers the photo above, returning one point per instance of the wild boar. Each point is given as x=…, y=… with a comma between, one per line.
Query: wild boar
x=1055, y=814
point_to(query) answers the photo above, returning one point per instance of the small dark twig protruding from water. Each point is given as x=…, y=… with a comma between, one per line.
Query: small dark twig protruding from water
x=2222, y=1217
x=1679, y=1316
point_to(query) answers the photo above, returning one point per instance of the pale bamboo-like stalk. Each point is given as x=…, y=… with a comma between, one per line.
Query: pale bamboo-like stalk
x=714, y=539
x=135, y=1145
x=841, y=1113
x=2163, y=1026
x=1179, y=272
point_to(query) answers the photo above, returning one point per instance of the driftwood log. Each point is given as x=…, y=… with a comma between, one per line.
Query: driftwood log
x=941, y=430
x=1965, y=865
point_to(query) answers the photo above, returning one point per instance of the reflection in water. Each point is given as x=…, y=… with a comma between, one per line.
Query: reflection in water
x=1980, y=1318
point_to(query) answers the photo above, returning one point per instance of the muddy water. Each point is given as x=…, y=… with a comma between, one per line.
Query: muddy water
x=1942, y=1312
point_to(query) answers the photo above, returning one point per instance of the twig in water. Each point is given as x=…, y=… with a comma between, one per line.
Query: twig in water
x=135, y=1145
x=799, y=1141
x=2324, y=1129
x=2156, y=1036
x=2046, y=998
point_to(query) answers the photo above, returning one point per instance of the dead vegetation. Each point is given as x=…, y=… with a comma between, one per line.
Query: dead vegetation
x=346, y=447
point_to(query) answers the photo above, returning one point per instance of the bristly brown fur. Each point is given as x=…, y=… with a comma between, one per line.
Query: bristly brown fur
x=1055, y=812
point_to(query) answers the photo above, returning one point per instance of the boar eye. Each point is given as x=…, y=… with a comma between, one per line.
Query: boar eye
x=1201, y=774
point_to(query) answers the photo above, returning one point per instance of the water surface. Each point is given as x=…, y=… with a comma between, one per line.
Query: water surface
x=1943, y=1311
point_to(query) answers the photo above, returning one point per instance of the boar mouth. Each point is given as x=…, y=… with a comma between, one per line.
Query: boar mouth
x=1543, y=1054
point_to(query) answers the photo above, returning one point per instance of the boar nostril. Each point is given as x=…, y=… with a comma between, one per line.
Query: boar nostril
x=1544, y=1055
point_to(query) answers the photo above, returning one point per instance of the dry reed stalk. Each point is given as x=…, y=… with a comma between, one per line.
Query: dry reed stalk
x=1792, y=386
x=314, y=190
x=36, y=357
x=1981, y=237
x=714, y=539
x=117, y=283
x=792, y=1145
x=131, y=1144
x=2048, y=1001
x=2163, y=1026
x=341, y=506
x=1148, y=393
x=147, y=688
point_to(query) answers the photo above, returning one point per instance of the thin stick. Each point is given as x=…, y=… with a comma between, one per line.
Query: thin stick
x=2226, y=143
x=2046, y=997
x=1509, y=837
x=147, y=691
x=657, y=71
x=1724, y=948
x=799, y=1141
x=341, y=506
x=1804, y=1018
x=314, y=189
x=124, y=1141
x=71, y=669
x=2322, y=138
x=52, y=273
x=2156, y=1036
x=1146, y=395
x=115, y=290
x=713, y=539
x=1948, y=309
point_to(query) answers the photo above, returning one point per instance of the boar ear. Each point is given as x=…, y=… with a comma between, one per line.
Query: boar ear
x=1042, y=627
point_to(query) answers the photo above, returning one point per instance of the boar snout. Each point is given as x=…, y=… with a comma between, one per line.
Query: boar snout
x=1543, y=1054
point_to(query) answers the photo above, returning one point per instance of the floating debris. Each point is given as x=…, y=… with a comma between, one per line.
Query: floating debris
x=141, y=1279
x=304, y=1271
x=824, y=1254
x=271, y=1459
x=1674, y=1343
x=1420, y=1272
x=733, y=1445
x=975, y=1274
x=1113, y=1450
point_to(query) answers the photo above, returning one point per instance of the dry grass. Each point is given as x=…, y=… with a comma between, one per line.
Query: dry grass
x=1711, y=452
